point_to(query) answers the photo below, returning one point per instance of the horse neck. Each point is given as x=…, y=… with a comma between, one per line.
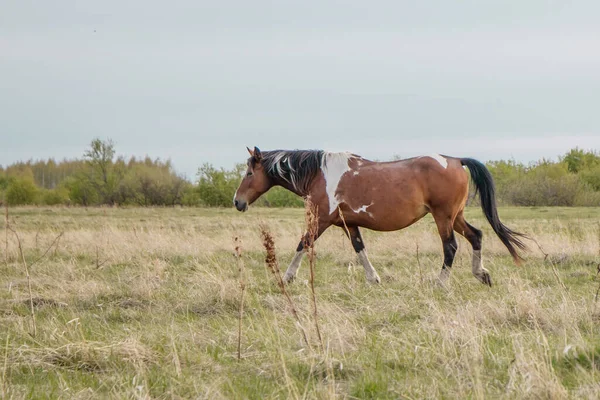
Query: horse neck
x=286, y=185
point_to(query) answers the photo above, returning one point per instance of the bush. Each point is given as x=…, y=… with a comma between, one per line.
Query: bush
x=81, y=191
x=591, y=177
x=216, y=187
x=191, y=197
x=21, y=192
x=547, y=183
x=280, y=197
x=54, y=197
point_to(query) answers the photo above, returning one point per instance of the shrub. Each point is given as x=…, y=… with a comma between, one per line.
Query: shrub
x=53, y=197
x=21, y=191
x=216, y=187
x=280, y=197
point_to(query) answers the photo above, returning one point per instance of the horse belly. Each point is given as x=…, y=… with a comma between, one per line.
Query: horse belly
x=384, y=213
x=382, y=199
x=395, y=219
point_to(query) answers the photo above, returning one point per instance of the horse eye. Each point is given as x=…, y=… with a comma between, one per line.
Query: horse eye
x=249, y=174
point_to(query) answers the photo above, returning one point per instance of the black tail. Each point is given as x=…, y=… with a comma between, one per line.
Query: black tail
x=484, y=184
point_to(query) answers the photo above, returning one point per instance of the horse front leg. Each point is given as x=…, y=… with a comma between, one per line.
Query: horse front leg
x=292, y=270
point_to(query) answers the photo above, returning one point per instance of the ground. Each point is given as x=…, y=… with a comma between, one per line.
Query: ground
x=144, y=303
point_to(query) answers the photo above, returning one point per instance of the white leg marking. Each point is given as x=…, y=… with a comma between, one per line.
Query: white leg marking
x=444, y=275
x=476, y=262
x=480, y=273
x=443, y=162
x=290, y=274
x=334, y=165
x=369, y=270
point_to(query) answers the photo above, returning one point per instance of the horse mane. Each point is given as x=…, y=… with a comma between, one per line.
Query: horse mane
x=296, y=167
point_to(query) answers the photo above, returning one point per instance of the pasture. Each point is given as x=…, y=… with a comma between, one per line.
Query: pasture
x=144, y=303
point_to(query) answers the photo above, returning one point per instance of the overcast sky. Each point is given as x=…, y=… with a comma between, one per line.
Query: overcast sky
x=197, y=81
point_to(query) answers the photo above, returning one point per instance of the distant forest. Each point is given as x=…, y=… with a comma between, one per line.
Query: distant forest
x=101, y=178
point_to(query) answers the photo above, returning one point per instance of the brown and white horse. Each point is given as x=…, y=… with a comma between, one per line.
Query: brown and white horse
x=382, y=196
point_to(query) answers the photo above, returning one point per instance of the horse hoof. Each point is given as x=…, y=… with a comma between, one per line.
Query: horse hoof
x=441, y=283
x=486, y=279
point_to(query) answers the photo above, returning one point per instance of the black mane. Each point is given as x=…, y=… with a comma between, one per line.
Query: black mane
x=296, y=168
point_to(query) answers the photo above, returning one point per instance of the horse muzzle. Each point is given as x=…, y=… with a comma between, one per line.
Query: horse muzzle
x=240, y=205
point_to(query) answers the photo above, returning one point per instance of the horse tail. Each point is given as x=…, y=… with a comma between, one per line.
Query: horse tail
x=484, y=184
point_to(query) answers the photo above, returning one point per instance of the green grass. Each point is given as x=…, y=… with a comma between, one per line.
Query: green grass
x=143, y=303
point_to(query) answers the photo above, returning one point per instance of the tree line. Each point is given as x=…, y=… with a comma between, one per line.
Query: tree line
x=102, y=178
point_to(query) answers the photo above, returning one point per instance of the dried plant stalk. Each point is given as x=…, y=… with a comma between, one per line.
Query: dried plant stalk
x=344, y=221
x=554, y=270
x=28, y=280
x=5, y=231
x=4, y=390
x=240, y=264
x=273, y=266
x=56, y=239
x=312, y=228
x=56, y=247
x=419, y=264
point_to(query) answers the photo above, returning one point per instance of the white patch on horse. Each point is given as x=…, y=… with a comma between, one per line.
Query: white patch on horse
x=355, y=173
x=363, y=209
x=443, y=162
x=334, y=166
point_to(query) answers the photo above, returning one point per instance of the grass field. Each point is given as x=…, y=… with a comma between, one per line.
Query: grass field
x=144, y=303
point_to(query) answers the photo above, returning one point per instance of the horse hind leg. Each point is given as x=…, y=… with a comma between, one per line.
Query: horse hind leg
x=473, y=235
x=449, y=244
x=359, y=247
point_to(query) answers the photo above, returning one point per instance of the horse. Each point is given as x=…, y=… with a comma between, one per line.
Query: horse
x=352, y=192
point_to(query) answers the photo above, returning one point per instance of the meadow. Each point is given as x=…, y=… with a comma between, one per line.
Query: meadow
x=143, y=303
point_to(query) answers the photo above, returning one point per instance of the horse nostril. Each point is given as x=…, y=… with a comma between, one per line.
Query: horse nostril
x=236, y=203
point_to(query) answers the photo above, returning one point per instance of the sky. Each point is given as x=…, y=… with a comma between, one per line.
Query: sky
x=198, y=81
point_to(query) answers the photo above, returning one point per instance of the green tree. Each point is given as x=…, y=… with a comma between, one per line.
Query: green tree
x=577, y=160
x=102, y=173
x=100, y=156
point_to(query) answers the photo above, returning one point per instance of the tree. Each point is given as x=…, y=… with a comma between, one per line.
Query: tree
x=100, y=160
x=578, y=159
x=100, y=156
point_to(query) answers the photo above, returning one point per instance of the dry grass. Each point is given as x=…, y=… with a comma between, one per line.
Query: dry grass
x=144, y=303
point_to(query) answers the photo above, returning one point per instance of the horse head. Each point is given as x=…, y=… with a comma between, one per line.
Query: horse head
x=255, y=182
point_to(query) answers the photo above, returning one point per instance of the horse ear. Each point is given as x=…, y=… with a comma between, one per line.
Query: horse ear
x=250, y=151
x=257, y=154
